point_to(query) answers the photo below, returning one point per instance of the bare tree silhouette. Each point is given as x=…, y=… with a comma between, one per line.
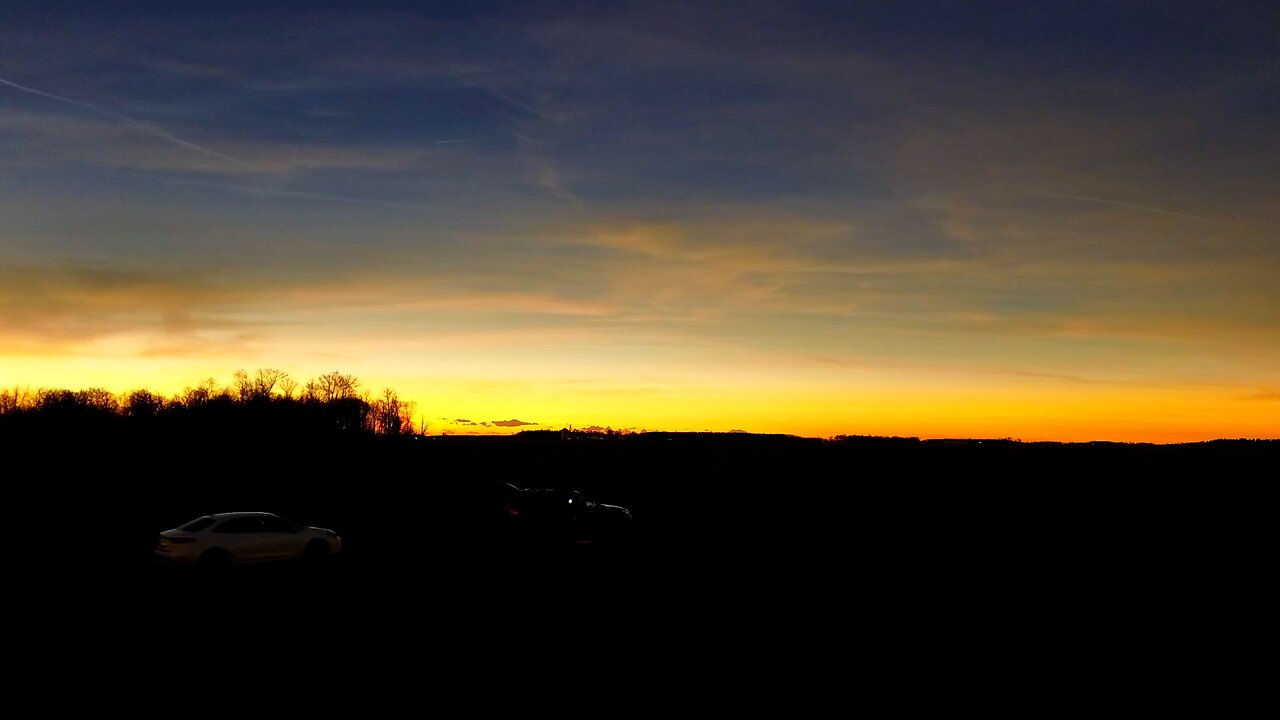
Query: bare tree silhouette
x=332, y=386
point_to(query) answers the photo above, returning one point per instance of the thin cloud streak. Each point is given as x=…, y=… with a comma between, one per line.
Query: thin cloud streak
x=255, y=190
x=1144, y=208
x=138, y=125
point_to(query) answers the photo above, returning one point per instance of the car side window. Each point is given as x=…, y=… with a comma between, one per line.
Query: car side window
x=276, y=525
x=238, y=525
x=197, y=525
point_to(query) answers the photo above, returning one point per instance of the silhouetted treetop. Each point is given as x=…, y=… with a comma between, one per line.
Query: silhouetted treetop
x=266, y=401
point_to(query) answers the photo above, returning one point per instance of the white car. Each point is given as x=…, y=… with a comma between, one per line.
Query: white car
x=244, y=537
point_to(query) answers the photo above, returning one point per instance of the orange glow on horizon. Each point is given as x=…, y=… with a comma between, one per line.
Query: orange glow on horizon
x=879, y=404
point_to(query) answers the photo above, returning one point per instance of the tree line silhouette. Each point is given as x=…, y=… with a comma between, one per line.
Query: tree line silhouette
x=268, y=399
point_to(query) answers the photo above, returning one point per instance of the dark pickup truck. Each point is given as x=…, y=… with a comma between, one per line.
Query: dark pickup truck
x=561, y=514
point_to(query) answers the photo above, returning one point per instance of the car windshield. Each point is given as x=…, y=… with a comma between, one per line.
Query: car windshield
x=197, y=525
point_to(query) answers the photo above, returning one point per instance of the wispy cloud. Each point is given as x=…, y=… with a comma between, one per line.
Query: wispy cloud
x=147, y=128
x=1132, y=206
x=60, y=309
x=296, y=194
x=64, y=139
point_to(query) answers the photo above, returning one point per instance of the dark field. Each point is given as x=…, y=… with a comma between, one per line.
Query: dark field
x=764, y=577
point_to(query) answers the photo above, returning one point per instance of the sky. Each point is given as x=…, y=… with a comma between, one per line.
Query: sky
x=1040, y=221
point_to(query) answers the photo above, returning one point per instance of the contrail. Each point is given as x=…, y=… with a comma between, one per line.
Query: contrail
x=255, y=190
x=1135, y=207
x=138, y=125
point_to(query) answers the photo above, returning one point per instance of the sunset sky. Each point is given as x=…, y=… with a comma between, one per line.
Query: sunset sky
x=1044, y=221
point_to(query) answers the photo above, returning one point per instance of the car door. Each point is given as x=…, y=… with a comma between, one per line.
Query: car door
x=241, y=537
x=277, y=539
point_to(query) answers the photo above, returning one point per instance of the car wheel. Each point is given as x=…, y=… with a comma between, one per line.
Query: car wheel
x=215, y=559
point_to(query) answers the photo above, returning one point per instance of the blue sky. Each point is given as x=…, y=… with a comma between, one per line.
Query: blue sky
x=770, y=198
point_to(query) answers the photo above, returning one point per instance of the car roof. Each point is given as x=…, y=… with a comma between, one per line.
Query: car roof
x=225, y=515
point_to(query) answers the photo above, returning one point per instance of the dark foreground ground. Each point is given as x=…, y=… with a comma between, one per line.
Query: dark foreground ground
x=764, y=578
